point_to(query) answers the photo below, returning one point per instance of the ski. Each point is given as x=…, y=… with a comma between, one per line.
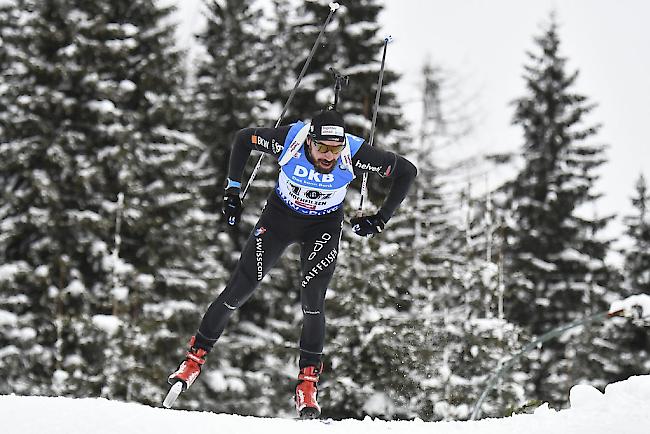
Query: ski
x=173, y=394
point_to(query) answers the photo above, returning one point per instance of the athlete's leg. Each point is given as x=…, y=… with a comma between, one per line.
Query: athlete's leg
x=264, y=247
x=319, y=250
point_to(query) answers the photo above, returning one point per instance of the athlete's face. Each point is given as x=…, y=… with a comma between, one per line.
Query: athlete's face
x=324, y=154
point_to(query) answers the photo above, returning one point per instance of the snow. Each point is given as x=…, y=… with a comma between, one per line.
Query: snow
x=542, y=265
x=572, y=255
x=9, y=350
x=127, y=86
x=218, y=382
x=379, y=403
x=388, y=249
x=24, y=334
x=41, y=271
x=621, y=409
x=117, y=265
x=483, y=325
x=121, y=44
x=632, y=306
x=145, y=281
x=80, y=216
x=8, y=271
x=76, y=287
x=59, y=377
x=109, y=323
x=127, y=29
x=120, y=293
x=102, y=106
x=8, y=318
x=169, y=308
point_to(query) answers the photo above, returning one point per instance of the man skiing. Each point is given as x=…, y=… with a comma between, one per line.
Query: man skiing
x=317, y=162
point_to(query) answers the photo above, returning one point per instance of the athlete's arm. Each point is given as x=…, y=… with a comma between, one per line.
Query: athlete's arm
x=267, y=140
x=387, y=165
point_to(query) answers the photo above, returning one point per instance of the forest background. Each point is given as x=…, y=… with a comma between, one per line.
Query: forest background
x=114, y=145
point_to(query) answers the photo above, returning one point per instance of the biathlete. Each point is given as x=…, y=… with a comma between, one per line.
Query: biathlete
x=317, y=160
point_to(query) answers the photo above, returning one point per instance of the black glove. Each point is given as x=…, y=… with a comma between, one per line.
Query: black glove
x=367, y=225
x=232, y=206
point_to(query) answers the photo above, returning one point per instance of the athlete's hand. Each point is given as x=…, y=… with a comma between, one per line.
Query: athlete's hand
x=367, y=225
x=232, y=206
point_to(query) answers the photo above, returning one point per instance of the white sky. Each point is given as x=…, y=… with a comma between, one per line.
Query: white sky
x=484, y=43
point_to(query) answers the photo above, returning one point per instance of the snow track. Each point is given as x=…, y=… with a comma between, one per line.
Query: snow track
x=623, y=408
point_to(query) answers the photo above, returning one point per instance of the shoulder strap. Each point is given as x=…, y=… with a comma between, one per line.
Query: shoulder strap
x=346, y=156
x=353, y=143
x=295, y=144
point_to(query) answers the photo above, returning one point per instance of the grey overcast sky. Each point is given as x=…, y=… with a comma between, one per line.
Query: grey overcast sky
x=484, y=43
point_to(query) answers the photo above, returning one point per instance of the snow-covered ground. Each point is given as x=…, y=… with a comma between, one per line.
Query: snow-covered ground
x=623, y=408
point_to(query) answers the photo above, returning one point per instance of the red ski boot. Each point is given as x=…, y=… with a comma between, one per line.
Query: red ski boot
x=190, y=369
x=306, y=392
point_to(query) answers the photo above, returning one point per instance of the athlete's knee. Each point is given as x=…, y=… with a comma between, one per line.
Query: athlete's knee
x=239, y=289
x=312, y=310
x=313, y=300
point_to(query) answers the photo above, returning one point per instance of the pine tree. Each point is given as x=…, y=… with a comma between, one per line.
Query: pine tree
x=637, y=257
x=554, y=257
x=95, y=111
x=230, y=91
x=631, y=339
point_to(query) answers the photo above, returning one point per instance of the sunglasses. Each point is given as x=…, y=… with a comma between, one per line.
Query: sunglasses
x=322, y=147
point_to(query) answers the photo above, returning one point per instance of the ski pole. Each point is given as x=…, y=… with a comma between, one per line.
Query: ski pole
x=333, y=7
x=339, y=81
x=364, y=182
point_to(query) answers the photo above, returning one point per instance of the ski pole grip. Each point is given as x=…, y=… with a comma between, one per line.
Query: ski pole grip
x=334, y=6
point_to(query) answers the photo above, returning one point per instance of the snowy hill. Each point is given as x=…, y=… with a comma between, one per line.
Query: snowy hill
x=624, y=408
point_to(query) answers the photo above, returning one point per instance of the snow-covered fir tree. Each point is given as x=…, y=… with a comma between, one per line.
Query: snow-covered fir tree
x=286, y=52
x=637, y=256
x=631, y=338
x=554, y=254
x=94, y=111
x=230, y=88
x=435, y=234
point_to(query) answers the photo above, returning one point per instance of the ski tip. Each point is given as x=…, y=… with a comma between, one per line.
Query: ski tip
x=388, y=39
x=173, y=393
x=334, y=6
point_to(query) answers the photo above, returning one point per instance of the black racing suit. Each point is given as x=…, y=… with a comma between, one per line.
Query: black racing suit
x=279, y=226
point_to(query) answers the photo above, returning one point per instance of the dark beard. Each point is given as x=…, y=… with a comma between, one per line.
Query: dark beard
x=317, y=168
x=323, y=170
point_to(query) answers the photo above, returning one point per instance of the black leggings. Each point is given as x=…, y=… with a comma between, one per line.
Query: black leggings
x=277, y=228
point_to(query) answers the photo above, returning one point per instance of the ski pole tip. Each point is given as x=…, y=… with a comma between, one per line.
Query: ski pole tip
x=334, y=6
